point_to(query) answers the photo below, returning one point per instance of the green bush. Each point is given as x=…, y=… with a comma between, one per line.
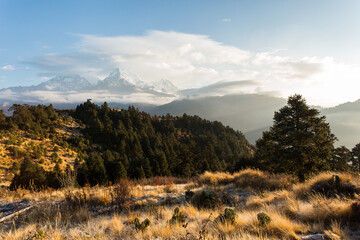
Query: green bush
x=141, y=226
x=206, y=199
x=229, y=216
x=263, y=219
x=178, y=217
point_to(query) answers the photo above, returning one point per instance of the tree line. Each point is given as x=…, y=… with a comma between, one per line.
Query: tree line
x=133, y=144
x=130, y=143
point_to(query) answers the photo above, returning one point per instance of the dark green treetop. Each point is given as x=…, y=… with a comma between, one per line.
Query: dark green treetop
x=299, y=142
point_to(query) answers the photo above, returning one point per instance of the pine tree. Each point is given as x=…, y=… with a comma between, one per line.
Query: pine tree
x=96, y=169
x=147, y=168
x=30, y=174
x=122, y=171
x=141, y=173
x=355, y=153
x=299, y=142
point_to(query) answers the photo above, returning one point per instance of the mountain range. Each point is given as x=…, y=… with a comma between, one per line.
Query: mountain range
x=249, y=113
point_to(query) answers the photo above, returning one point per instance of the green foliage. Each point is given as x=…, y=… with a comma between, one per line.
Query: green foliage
x=160, y=146
x=263, y=218
x=355, y=156
x=96, y=173
x=54, y=156
x=31, y=174
x=229, y=217
x=206, y=199
x=178, y=217
x=299, y=142
x=341, y=158
x=15, y=166
x=32, y=118
x=141, y=226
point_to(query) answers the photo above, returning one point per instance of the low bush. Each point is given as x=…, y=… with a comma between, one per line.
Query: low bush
x=206, y=199
x=141, y=226
x=228, y=217
x=178, y=217
x=330, y=185
x=263, y=219
x=122, y=190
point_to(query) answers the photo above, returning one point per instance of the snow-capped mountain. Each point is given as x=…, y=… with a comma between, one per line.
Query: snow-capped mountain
x=116, y=82
x=65, y=83
x=132, y=78
x=164, y=86
x=118, y=87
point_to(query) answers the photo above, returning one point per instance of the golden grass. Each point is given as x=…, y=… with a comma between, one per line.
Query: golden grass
x=291, y=214
x=303, y=190
x=215, y=177
x=249, y=179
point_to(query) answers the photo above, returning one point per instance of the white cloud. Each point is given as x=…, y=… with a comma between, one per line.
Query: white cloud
x=195, y=61
x=8, y=68
x=226, y=20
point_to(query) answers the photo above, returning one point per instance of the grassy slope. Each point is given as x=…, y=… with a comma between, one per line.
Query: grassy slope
x=295, y=209
x=25, y=144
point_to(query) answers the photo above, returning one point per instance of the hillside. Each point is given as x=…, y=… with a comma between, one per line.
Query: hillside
x=105, y=143
x=252, y=114
x=249, y=113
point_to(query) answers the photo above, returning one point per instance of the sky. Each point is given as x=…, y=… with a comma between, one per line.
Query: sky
x=274, y=47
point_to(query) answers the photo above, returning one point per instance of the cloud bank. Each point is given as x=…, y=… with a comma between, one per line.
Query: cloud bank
x=192, y=61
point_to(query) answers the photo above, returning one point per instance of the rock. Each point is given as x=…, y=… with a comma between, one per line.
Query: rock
x=319, y=236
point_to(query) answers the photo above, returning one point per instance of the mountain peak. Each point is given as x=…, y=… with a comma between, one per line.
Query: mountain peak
x=165, y=85
x=115, y=73
x=65, y=83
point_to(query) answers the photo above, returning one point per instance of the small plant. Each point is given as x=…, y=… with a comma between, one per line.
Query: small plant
x=207, y=200
x=178, y=217
x=122, y=189
x=188, y=195
x=39, y=234
x=263, y=219
x=228, y=217
x=141, y=226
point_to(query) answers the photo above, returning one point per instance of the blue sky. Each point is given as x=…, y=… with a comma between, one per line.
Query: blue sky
x=289, y=45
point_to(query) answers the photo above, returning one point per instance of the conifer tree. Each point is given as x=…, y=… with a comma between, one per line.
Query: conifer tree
x=299, y=142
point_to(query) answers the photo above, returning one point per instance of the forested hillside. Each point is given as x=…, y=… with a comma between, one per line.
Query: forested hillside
x=139, y=145
x=115, y=144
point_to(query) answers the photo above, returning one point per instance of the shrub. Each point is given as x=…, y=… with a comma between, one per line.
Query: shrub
x=263, y=218
x=76, y=199
x=335, y=187
x=229, y=217
x=330, y=185
x=141, y=226
x=15, y=166
x=206, y=199
x=178, y=217
x=122, y=189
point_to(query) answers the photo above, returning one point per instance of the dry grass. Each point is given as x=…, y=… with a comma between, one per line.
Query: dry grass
x=249, y=179
x=349, y=185
x=93, y=213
